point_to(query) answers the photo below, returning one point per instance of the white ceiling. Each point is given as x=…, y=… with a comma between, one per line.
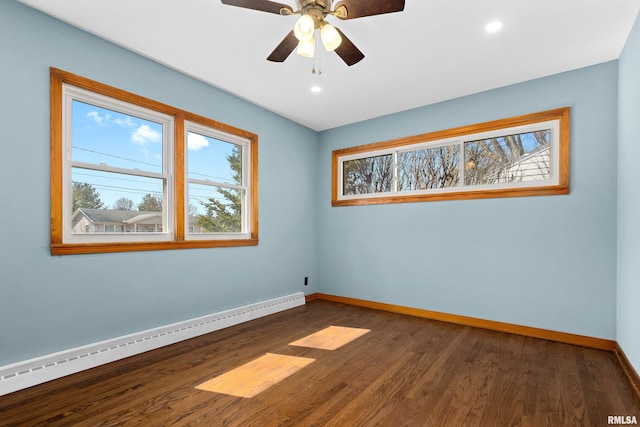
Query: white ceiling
x=433, y=51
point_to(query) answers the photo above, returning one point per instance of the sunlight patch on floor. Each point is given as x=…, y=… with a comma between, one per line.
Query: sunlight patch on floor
x=256, y=376
x=330, y=338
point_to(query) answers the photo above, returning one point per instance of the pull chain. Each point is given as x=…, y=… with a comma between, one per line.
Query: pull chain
x=313, y=67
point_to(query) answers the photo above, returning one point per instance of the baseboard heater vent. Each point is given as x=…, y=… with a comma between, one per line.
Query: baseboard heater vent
x=31, y=372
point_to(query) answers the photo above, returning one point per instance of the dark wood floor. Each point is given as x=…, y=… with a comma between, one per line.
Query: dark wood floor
x=406, y=372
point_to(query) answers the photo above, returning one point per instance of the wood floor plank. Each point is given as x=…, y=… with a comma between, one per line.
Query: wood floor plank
x=407, y=371
x=330, y=338
x=254, y=377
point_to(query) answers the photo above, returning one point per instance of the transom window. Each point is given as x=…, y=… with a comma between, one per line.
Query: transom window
x=129, y=173
x=520, y=156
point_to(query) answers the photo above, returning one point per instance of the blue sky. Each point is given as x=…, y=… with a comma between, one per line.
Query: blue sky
x=103, y=136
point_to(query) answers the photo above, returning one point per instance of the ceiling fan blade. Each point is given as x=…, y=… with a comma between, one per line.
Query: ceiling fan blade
x=284, y=49
x=262, y=5
x=360, y=8
x=348, y=51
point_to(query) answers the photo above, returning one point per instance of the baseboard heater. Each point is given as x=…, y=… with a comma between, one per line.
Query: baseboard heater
x=20, y=375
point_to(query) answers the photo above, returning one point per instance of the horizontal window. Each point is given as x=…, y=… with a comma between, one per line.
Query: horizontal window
x=129, y=173
x=520, y=156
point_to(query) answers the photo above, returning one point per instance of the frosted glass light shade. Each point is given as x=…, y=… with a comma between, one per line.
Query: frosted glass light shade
x=306, y=48
x=304, y=28
x=330, y=37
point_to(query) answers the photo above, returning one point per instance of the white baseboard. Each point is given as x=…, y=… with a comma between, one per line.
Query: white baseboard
x=20, y=375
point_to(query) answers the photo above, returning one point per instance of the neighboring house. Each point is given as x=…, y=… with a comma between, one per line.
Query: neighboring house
x=118, y=221
x=533, y=166
x=115, y=221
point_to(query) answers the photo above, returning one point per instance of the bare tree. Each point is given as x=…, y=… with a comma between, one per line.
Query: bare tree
x=368, y=175
x=429, y=168
x=502, y=159
x=123, y=204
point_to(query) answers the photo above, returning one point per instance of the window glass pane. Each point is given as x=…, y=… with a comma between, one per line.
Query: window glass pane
x=213, y=160
x=112, y=202
x=102, y=136
x=429, y=168
x=215, y=209
x=368, y=175
x=511, y=158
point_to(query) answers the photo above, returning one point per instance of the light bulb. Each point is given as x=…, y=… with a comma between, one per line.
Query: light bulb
x=306, y=48
x=493, y=27
x=304, y=28
x=330, y=37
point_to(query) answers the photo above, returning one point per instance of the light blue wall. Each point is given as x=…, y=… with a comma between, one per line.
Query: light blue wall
x=546, y=262
x=628, y=332
x=50, y=303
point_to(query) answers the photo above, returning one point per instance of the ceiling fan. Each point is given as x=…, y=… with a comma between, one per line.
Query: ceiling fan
x=313, y=13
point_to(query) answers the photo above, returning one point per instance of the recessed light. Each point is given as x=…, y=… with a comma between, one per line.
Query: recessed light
x=316, y=89
x=493, y=27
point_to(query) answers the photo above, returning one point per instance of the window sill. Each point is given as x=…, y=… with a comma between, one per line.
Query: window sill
x=97, y=248
x=460, y=195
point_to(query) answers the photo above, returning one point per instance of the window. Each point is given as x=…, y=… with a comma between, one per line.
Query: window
x=521, y=156
x=216, y=185
x=129, y=173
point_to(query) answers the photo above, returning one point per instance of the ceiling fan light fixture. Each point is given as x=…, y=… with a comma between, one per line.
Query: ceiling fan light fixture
x=306, y=48
x=330, y=37
x=311, y=18
x=304, y=28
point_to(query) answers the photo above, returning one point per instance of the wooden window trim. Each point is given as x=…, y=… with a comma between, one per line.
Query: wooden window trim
x=59, y=247
x=562, y=187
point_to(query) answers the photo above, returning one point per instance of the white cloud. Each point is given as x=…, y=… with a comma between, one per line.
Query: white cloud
x=144, y=135
x=97, y=117
x=196, y=141
x=125, y=122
